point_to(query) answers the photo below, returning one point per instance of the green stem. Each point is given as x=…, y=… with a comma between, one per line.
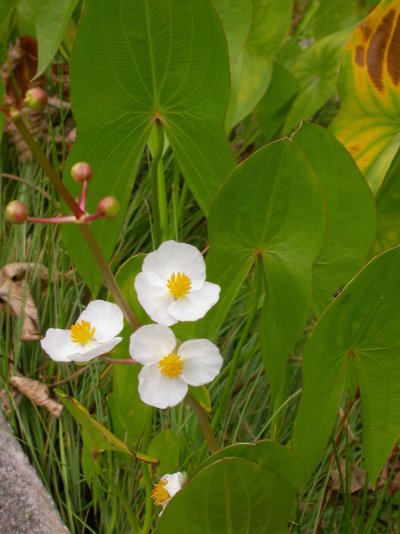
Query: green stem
x=108, y=276
x=91, y=242
x=253, y=304
x=162, y=202
x=158, y=150
x=148, y=515
x=47, y=167
x=203, y=422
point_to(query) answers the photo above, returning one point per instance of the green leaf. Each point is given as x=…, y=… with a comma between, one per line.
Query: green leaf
x=388, y=206
x=165, y=446
x=253, y=41
x=202, y=395
x=231, y=496
x=332, y=17
x=351, y=212
x=134, y=63
x=274, y=457
x=275, y=104
x=367, y=123
x=125, y=278
x=102, y=439
x=316, y=70
x=272, y=206
x=1, y=114
x=51, y=19
x=362, y=324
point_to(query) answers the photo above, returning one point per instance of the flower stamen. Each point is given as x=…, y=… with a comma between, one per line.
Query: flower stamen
x=179, y=285
x=171, y=366
x=82, y=332
x=159, y=494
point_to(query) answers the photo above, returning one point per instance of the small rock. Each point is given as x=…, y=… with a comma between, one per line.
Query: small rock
x=25, y=506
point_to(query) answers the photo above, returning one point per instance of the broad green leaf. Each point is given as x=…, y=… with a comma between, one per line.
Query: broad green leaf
x=316, y=71
x=351, y=212
x=24, y=18
x=134, y=63
x=125, y=277
x=269, y=209
x=255, y=30
x=230, y=496
x=202, y=395
x=367, y=123
x=7, y=10
x=274, y=457
x=165, y=446
x=102, y=439
x=128, y=412
x=388, y=207
x=51, y=19
x=362, y=324
x=275, y=104
x=333, y=16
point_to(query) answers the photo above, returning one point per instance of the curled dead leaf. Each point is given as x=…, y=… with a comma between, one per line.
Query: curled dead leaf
x=37, y=392
x=15, y=295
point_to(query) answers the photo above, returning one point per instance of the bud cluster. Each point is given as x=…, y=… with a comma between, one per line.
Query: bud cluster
x=108, y=207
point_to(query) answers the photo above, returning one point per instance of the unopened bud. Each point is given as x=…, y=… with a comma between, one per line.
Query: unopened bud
x=35, y=98
x=108, y=207
x=81, y=171
x=16, y=212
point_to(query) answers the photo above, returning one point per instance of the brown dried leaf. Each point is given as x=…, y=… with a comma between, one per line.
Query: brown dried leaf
x=357, y=477
x=37, y=392
x=15, y=293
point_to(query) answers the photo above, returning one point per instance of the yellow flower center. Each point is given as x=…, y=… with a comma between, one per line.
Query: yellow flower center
x=159, y=494
x=171, y=366
x=179, y=284
x=82, y=332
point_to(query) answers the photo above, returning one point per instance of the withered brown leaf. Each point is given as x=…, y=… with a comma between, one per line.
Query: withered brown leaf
x=37, y=392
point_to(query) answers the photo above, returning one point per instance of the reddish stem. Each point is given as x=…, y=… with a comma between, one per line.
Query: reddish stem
x=82, y=201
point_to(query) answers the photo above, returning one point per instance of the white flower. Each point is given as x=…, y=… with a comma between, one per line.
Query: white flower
x=172, y=286
x=168, y=486
x=164, y=379
x=93, y=334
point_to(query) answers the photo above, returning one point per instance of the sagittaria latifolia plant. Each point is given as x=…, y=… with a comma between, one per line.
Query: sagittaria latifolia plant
x=302, y=254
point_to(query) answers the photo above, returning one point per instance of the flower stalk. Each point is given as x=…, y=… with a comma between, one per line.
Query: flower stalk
x=86, y=232
x=157, y=192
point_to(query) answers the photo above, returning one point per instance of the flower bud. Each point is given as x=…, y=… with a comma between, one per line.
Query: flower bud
x=16, y=212
x=35, y=98
x=81, y=171
x=108, y=207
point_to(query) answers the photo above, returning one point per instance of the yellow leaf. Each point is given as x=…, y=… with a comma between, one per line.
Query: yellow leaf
x=369, y=89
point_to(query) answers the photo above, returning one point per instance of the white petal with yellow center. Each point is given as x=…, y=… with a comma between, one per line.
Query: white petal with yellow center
x=167, y=371
x=93, y=334
x=172, y=285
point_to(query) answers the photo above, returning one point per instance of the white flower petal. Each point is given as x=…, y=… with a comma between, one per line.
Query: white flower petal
x=202, y=361
x=93, y=349
x=106, y=317
x=58, y=344
x=159, y=391
x=154, y=298
x=195, y=305
x=151, y=343
x=173, y=257
x=175, y=482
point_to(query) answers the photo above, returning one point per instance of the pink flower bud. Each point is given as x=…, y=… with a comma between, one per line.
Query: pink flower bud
x=108, y=207
x=81, y=171
x=16, y=212
x=35, y=98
